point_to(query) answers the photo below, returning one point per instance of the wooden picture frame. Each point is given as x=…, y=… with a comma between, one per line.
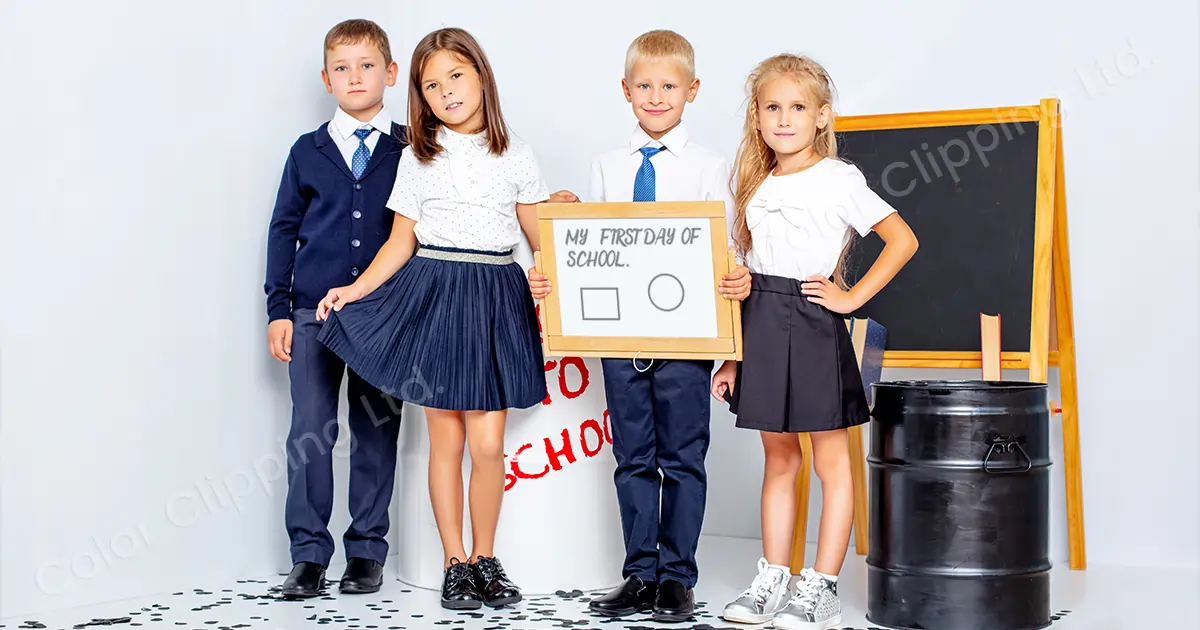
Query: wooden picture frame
x=726, y=344
x=1052, y=333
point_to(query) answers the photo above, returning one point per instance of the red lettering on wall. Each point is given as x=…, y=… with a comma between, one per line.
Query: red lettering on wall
x=516, y=465
x=591, y=424
x=562, y=376
x=566, y=451
x=550, y=365
x=592, y=437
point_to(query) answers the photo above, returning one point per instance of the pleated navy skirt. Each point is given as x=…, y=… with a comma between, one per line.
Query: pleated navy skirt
x=798, y=372
x=453, y=329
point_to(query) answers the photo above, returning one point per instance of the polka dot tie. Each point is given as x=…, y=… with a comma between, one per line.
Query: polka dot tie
x=362, y=154
x=643, y=184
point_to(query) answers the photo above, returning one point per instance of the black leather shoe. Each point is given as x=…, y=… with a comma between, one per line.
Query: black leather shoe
x=361, y=576
x=494, y=586
x=305, y=580
x=675, y=602
x=632, y=596
x=459, y=591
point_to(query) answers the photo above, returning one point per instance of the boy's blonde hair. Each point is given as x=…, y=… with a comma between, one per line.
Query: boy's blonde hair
x=661, y=44
x=358, y=31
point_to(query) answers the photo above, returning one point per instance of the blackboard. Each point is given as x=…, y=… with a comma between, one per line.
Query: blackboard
x=969, y=192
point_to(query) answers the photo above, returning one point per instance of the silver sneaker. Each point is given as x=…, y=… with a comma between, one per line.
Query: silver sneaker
x=767, y=595
x=815, y=606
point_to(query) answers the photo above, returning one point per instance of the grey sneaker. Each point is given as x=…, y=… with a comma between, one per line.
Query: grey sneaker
x=767, y=595
x=815, y=605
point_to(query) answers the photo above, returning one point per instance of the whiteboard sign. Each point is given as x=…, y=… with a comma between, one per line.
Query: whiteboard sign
x=636, y=279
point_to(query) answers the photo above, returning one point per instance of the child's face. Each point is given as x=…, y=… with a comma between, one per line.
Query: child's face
x=356, y=75
x=452, y=87
x=788, y=116
x=659, y=89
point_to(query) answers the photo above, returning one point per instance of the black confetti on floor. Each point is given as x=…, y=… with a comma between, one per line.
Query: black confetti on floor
x=562, y=609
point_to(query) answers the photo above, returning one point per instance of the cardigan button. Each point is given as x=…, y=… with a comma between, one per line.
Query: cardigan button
x=356, y=214
x=358, y=187
x=355, y=243
x=354, y=271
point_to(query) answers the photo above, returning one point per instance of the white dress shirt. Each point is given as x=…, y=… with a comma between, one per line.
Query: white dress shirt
x=800, y=222
x=683, y=171
x=467, y=198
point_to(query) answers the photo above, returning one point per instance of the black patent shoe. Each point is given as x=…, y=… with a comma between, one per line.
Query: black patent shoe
x=305, y=581
x=361, y=576
x=634, y=595
x=494, y=586
x=459, y=591
x=675, y=602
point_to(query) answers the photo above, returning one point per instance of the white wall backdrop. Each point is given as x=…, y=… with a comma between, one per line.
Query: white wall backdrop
x=140, y=415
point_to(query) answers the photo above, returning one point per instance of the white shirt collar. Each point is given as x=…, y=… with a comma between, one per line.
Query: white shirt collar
x=673, y=141
x=344, y=124
x=453, y=141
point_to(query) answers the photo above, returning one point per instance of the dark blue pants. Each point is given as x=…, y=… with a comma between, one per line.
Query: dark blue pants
x=659, y=421
x=316, y=376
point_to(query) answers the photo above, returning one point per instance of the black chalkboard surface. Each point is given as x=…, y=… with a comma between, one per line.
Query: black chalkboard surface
x=969, y=194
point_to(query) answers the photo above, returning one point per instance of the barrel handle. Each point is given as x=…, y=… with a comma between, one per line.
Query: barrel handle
x=1006, y=444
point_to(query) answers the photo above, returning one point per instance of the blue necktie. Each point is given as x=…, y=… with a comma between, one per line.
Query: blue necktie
x=362, y=154
x=643, y=184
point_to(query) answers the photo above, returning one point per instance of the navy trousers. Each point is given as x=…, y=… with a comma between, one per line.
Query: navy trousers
x=659, y=420
x=316, y=379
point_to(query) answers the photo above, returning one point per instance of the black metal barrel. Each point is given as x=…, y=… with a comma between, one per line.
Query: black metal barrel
x=959, y=482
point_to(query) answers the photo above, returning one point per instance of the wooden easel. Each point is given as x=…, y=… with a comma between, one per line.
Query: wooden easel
x=1052, y=331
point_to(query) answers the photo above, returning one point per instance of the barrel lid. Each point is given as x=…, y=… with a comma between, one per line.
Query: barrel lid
x=959, y=385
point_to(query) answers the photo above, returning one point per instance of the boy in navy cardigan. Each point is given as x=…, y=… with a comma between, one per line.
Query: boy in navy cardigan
x=330, y=219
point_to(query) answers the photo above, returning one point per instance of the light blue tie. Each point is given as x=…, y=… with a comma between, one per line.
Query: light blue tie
x=643, y=184
x=362, y=154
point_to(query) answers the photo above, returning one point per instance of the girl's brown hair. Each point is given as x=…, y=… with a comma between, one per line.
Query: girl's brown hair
x=423, y=124
x=755, y=159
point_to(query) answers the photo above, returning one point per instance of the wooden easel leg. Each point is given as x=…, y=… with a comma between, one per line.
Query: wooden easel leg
x=803, y=481
x=858, y=472
x=1072, y=464
x=989, y=332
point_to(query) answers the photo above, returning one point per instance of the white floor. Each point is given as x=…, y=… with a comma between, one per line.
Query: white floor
x=1096, y=599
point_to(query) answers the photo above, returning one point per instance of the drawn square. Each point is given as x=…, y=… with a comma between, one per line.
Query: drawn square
x=600, y=304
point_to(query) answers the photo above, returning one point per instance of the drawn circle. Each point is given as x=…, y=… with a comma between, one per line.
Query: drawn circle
x=665, y=292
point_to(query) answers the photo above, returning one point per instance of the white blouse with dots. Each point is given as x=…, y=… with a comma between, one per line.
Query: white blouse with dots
x=466, y=197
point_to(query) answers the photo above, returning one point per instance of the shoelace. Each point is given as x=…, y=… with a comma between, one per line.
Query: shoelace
x=459, y=573
x=808, y=591
x=760, y=588
x=490, y=569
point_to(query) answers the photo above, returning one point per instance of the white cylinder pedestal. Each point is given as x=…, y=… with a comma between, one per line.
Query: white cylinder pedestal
x=560, y=527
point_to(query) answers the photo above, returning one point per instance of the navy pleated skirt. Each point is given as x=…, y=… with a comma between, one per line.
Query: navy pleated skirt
x=798, y=373
x=453, y=329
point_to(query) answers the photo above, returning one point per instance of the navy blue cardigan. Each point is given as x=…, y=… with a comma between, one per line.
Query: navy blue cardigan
x=327, y=226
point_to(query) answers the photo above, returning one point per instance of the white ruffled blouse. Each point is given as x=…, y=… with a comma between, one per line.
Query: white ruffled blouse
x=799, y=223
x=467, y=198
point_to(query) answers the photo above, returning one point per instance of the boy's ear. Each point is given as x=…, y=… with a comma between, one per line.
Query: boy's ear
x=325, y=80
x=392, y=73
x=693, y=89
x=625, y=88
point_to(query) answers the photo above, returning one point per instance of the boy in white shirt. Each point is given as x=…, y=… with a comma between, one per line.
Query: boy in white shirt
x=659, y=409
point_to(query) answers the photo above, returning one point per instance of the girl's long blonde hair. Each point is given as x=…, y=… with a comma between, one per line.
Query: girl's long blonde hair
x=755, y=159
